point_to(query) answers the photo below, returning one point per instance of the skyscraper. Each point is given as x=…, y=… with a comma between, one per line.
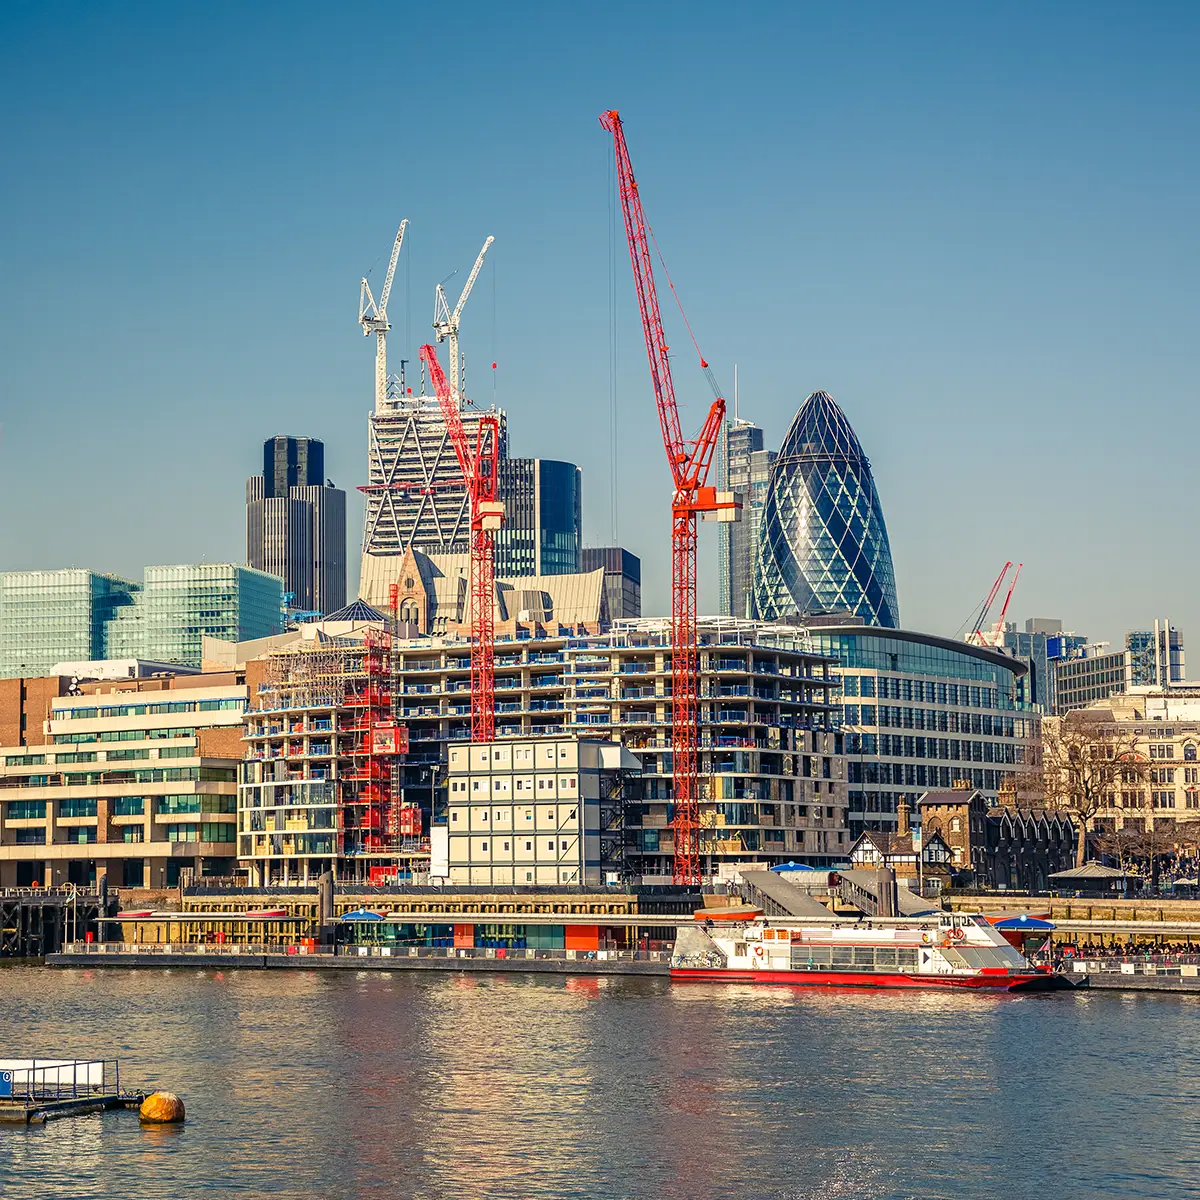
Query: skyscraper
x=822, y=544
x=622, y=579
x=296, y=524
x=542, y=532
x=414, y=486
x=745, y=468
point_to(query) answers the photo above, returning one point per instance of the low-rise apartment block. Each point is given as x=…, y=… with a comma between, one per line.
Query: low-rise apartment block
x=133, y=780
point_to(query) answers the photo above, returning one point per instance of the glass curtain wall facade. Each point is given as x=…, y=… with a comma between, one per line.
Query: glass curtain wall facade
x=823, y=545
x=48, y=617
x=181, y=605
x=921, y=713
x=745, y=468
x=542, y=532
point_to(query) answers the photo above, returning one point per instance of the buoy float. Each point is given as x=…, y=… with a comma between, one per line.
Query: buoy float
x=161, y=1108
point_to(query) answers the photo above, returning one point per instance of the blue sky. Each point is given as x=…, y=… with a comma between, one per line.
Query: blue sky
x=975, y=226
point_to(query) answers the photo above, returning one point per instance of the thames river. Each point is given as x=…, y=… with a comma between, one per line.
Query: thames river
x=341, y=1085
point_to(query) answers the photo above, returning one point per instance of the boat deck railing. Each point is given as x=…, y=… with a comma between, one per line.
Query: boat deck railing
x=1177, y=966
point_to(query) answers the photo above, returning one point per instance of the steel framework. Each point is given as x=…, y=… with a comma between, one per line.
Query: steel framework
x=690, y=463
x=480, y=475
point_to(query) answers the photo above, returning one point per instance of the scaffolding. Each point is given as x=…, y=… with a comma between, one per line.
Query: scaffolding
x=359, y=745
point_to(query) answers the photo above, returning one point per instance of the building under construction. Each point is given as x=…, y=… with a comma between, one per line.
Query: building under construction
x=321, y=784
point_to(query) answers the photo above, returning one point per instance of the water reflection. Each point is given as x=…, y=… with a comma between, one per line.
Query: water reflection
x=311, y=1084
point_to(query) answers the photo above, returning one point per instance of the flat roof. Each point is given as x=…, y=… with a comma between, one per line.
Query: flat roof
x=984, y=653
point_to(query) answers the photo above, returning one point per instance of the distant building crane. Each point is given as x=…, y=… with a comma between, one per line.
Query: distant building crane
x=445, y=322
x=373, y=318
x=487, y=513
x=690, y=463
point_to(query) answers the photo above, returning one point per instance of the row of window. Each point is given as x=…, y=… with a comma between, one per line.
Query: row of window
x=926, y=691
x=522, y=783
x=935, y=720
x=147, y=710
x=121, y=735
x=890, y=745
x=121, y=806
x=109, y=778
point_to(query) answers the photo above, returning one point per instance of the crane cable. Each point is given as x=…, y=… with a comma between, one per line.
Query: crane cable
x=712, y=381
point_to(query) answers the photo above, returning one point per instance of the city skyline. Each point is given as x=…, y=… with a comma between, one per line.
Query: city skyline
x=984, y=276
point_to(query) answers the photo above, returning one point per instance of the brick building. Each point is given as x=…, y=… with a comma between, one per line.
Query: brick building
x=999, y=844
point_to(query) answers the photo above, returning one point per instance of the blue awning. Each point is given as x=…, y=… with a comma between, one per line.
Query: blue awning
x=362, y=914
x=1026, y=923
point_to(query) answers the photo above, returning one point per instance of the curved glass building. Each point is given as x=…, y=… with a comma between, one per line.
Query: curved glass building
x=823, y=546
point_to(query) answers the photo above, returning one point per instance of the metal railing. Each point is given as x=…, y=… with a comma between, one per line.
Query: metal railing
x=233, y=949
x=31, y=1080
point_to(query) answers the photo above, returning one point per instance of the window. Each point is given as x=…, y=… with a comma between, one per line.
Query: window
x=126, y=755
x=85, y=835
x=483, y=846
x=128, y=806
x=550, y=845
x=77, y=808
x=507, y=845
x=184, y=833
x=30, y=837
x=564, y=845
x=175, y=752
x=528, y=845
x=133, y=833
x=26, y=810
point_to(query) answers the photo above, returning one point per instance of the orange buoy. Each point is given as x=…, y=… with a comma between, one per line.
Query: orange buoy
x=161, y=1108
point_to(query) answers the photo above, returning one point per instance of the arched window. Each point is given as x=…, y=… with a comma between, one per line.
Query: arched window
x=1189, y=752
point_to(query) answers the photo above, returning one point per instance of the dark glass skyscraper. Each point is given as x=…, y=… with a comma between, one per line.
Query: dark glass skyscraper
x=543, y=517
x=823, y=545
x=296, y=524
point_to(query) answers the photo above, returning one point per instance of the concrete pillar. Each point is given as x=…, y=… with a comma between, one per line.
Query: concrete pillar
x=885, y=889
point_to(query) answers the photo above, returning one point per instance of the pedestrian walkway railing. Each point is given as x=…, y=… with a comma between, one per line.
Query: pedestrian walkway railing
x=1179, y=966
x=232, y=949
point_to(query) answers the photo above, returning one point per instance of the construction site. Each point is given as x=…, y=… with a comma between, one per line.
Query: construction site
x=321, y=782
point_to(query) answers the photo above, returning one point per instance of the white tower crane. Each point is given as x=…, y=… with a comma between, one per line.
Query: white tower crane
x=445, y=322
x=373, y=318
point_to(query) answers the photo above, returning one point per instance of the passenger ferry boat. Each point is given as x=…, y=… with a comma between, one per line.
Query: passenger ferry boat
x=948, y=950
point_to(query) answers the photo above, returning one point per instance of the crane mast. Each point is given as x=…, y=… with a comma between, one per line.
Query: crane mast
x=479, y=469
x=690, y=463
x=446, y=323
x=373, y=318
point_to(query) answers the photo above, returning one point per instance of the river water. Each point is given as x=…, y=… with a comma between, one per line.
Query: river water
x=332, y=1084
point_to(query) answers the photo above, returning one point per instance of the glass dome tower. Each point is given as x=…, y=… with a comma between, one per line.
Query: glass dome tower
x=823, y=545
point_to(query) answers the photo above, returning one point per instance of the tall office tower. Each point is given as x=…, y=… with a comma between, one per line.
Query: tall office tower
x=414, y=486
x=296, y=524
x=48, y=617
x=823, y=545
x=542, y=532
x=744, y=467
x=622, y=579
x=1156, y=655
x=178, y=606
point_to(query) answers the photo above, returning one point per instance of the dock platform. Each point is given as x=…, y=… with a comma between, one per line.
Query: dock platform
x=34, y=1091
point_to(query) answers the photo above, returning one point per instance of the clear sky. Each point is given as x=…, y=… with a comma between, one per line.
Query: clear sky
x=974, y=225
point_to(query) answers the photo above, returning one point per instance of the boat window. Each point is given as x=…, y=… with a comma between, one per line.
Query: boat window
x=885, y=956
x=841, y=959
x=739, y=948
x=906, y=959
x=864, y=956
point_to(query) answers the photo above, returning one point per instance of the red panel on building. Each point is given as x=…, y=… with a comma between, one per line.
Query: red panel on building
x=464, y=937
x=581, y=937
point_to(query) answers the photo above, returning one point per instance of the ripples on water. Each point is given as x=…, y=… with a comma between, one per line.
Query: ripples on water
x=461, y=1086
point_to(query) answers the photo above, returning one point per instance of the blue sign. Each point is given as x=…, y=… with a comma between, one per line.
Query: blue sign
x=6, y=1083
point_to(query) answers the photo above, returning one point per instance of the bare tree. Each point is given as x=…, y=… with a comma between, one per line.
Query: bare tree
x=1087, y=759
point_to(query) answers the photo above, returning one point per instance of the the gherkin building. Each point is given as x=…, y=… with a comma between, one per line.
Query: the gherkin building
x=823, y=545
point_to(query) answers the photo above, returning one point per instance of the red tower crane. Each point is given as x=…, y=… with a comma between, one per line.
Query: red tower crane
x=690, y=463
x=479, y=474
x=976, y=635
